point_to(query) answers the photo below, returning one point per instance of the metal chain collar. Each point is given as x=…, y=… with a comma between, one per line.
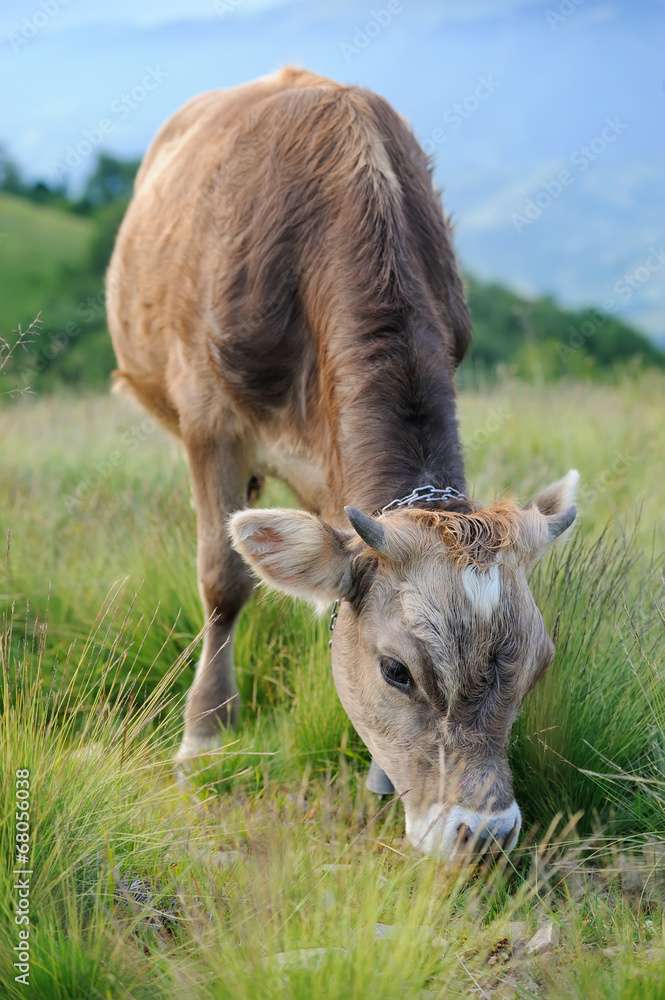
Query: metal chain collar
x=333, y=620
x=425, y=494
x=421, y=494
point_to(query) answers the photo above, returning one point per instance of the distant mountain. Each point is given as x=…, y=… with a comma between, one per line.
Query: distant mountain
x=537, y=338
x=508, y=97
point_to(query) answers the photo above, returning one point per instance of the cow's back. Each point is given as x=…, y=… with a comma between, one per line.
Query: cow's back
x=169, y=250
x=263, y=216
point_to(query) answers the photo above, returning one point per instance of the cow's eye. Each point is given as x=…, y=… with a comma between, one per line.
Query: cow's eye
x=395, y=673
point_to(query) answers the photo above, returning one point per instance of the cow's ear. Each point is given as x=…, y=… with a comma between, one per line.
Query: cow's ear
x=556, y=504
x=558, y=496
x=293, y=552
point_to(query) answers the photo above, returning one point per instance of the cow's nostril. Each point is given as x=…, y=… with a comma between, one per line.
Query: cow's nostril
x=463, y=834
x=466, y=836
x=472, y=842
x=511, y=836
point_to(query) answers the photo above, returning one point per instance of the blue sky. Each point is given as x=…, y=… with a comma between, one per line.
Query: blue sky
x=152, y=12
x=506, y=94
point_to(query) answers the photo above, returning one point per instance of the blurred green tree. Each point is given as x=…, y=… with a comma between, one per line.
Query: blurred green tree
x=111, y=182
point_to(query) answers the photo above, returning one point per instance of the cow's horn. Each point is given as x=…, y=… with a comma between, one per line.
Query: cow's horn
x=369, y=530
x=557, y=523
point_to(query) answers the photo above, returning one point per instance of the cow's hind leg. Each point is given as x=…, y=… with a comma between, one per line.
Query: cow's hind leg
x=222, y=481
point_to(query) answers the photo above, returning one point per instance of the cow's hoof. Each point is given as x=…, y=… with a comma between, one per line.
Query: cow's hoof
x=193, y=747
x=377, y=781
x=186, y=760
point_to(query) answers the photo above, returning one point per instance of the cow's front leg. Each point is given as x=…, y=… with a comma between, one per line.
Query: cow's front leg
x=222, y=483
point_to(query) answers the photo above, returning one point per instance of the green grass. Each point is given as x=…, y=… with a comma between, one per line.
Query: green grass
x=143, y=889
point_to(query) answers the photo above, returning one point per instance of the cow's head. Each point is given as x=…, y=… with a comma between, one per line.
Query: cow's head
x=437, y=642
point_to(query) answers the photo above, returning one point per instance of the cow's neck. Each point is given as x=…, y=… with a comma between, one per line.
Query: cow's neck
x=397, y=425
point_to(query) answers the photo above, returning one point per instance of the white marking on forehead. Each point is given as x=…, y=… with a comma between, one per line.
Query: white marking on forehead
x=483, y=588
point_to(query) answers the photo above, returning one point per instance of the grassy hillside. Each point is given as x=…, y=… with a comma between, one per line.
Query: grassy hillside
x=143, y=889
x=49, y=266
x=37, y=244
x=53, y=262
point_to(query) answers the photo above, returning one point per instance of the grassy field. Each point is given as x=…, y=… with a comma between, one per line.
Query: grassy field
x=142, y=888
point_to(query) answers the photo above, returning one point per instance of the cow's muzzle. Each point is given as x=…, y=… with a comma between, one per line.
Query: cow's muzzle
x=456, y=833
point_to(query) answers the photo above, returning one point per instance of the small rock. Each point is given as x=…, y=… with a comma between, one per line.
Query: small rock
x=389, y=931
x=545, y=938
x=302, y=958
x=226, y=858
x=327, y=899
x=90, y=753
x=518, y=935
x=500, y=953
x=653, y=852
x=324, y=869
x=222, y=859
x=646, y=879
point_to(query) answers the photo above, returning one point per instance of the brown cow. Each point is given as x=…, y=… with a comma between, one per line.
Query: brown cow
x=285, y=295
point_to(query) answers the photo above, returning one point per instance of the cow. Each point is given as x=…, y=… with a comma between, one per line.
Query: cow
x=285, y=296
